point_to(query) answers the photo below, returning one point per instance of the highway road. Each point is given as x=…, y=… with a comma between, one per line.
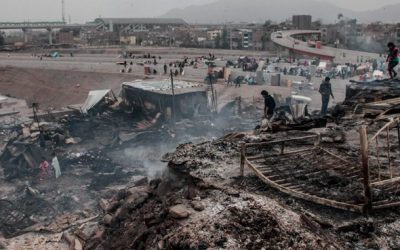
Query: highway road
x=285, y=39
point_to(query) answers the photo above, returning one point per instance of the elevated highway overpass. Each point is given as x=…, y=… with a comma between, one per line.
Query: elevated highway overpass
x=42, y=25
x=49, y=26
x=124, y=25
x=287, y=40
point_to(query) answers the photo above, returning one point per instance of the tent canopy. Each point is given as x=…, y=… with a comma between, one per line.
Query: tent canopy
x=94, y=97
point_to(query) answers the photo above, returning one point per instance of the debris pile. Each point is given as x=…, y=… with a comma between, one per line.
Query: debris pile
x=25, y=146
x=372, y=99
x=206, y=199
x=199, y=216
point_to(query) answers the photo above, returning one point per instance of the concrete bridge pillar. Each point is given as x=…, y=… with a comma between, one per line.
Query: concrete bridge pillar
x=111, y=27
x=25, y=34
x=50, y=36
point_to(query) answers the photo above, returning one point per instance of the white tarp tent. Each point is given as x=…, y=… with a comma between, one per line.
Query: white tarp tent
x=96, y=96
x=378, y=74
x=322, y=65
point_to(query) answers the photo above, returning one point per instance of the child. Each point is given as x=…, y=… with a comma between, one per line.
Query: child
x=44, y=168
x=392, y=59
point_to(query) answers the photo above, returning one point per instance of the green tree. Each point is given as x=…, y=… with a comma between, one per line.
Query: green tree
x=267, y=23
x=2, y=40
x=264, y=39
x=218, y=41
x=225, y=39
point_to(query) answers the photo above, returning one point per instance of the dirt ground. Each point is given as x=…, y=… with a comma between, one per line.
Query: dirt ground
x=54, y=88
x=63, y=81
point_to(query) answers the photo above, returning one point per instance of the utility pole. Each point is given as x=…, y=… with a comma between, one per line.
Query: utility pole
x=230, y=37
x=173, y=98
x=213, y=98
x=63, y=11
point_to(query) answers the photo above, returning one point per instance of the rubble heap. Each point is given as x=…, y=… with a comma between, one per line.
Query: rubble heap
x=199, y=216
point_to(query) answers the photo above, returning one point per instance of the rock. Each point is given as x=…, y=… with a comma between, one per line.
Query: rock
x=99, y=234
x=161, y=245
x=120, y=214
x=35, y=134
x=232, y=192
x=112, y=206
x=327, y=140
x=76, y=140
x=137, y=189
x=26, y=132
x=122, y=194
x=90, y=229
x=339, y=138
x=34, y=126
x=141, y=181
x=81, y=235
x=197, y=205
x=78, y=245
x=32, y=191
x=191, y=192
x=107, y=219
x=104, y=204
x=3, y=244
x=136, y=198
x=179, y=212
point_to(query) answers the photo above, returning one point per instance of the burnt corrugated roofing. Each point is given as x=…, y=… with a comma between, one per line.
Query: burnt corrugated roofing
x=164, y=87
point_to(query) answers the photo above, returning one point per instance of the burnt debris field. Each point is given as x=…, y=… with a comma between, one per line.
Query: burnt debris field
x=192, y=164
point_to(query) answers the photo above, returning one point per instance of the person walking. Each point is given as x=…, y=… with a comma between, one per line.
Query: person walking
x=44, y=168
x=392, y=59
x=238, y=81
x=269, y=104
x=165, y=69
x=325, y=89
x=56, y=166
x=230, y=80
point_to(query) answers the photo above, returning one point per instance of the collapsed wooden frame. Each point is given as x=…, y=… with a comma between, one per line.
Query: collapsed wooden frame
x=357, y=172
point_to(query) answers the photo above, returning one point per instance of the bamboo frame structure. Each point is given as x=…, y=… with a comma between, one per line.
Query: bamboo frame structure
x=287, y=188
x=276, y=177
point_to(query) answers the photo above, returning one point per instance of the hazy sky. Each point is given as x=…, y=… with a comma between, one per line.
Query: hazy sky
x=88, y=10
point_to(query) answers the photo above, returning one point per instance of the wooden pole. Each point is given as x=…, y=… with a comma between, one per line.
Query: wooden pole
x=242, y=158
x=216, y=100
x=239, y=105
x=212, y=90
x=398, y=133
x=173, y=98
x=388, y=152
x=282, y=148
x=378, y=159
x=365, y=170
x=317, y=141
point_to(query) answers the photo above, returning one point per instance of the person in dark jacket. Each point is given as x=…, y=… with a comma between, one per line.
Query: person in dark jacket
x=269, y=104
x=165, y=69
x=392, y=59
x=325, y=89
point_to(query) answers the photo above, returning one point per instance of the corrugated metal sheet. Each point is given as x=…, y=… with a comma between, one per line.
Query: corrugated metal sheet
x=93, y=98
x=164, y=86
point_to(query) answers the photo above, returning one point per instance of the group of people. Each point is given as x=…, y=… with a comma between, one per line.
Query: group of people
x=237, y=81
x=325, y=90
x=45, y=167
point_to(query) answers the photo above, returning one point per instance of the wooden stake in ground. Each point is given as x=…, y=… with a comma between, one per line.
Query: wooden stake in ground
x=365, y=170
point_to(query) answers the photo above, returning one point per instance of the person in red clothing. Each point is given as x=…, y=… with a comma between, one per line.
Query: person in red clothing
x=44, y=168
x=392, y=59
